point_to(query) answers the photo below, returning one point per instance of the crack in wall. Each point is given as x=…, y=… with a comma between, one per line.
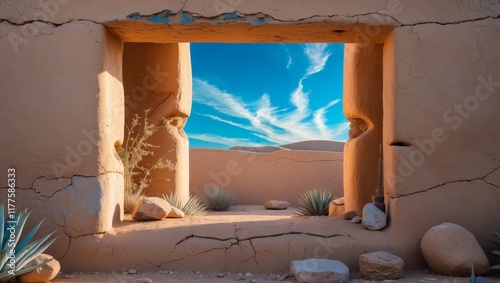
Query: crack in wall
x=453, y=182
x=258, y=18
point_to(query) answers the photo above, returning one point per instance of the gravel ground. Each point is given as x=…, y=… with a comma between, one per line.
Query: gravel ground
x=420, y=276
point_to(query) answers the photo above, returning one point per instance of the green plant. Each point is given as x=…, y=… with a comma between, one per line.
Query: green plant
x=472, y=277
x=496, y=251
x=219, y=199
x=15, y=254
x=314, y=203
x=191, y=207
x=137, y=176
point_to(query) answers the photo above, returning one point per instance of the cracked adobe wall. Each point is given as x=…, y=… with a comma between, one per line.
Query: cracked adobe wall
x=441, y=80
x=255, y=178
x=61, y=104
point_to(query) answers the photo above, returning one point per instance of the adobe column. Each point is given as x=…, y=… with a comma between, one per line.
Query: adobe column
x=157, y=77
x=363, y=108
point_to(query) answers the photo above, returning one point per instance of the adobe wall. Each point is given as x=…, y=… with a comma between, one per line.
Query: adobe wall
x=62, y=100
x=254, y=178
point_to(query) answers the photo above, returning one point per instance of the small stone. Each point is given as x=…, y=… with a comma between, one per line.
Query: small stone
x=450, y=249
x=381, y=266
x=175, y=213
x=339, y=201
x=44, y=273
x=221, y=275
x=142, y=280
x=132, y=271
x=356, y=219
x=350, y=215
x=151, y=208
x=248, y=274
x=319, y=270
x=335, y=210
x=276, y=204
x=373, y=218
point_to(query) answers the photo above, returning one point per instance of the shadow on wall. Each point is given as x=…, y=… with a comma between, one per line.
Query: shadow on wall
x=257, y=174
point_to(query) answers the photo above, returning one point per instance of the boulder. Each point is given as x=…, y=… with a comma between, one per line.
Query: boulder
x=373, y=218
x=151, y=208
x=319, y=270
x=450, y=249
x=175, y=213
x=335, y=209
x=44, y=273
x=339, y=201
x=276, y=204
x=381, y=266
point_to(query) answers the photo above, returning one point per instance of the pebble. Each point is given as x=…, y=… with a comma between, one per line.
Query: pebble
x=248, y=274
x=132, y=271
x=142, y=280
x=356, y=219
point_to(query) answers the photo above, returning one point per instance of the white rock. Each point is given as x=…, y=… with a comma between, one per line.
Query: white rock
x=319, y=270
x=44, y=273
x=373, y=218
x=450, y=249
x=132, y=271
x=175, y=213
x=276, y=204
x=381, y=266
x=356, y=219
x=151, y=208
x=142, y=280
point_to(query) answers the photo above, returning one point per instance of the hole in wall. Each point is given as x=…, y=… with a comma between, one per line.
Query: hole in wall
x=266, y=94
x=400, y=143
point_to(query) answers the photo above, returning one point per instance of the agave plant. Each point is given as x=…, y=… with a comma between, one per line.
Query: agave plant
x=496, y=252
x=219, y=199
x=193, y=205
x=16, y=253
x=314, y=203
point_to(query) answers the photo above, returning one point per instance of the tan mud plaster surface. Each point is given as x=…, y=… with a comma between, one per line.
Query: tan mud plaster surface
x=244, y=239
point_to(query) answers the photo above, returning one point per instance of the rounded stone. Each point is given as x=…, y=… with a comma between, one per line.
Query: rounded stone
x=381, y=265
x=450, y=249
x=373, y=218
x=44, y=273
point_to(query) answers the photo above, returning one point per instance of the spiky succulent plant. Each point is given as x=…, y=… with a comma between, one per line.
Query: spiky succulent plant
x=314, y=203
x=16, y=253
x=192, y=207
x=219, y=199
x=496, y=251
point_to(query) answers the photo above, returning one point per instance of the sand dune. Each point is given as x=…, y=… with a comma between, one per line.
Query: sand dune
x=313, y=145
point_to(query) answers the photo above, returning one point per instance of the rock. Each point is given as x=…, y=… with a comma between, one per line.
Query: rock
x=381, y=266
x=373, y=218
x=276, y=204
x=339, y=201
x=356, y=219
x=44, y=273
x=335, y=210
x=151, y=208
x=319, y=270
x=350, y=215
x=175, y=213
x=132, y=271
x=450, y=249
x=248, y=274
x=142, y=280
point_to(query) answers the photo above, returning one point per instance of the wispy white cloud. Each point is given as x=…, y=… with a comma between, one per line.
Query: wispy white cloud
x=317, y=55
x=289, y=62
x=320, y=119
x=272, y=125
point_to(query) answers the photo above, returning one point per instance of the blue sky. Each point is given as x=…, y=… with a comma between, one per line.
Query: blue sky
x=266, y=94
